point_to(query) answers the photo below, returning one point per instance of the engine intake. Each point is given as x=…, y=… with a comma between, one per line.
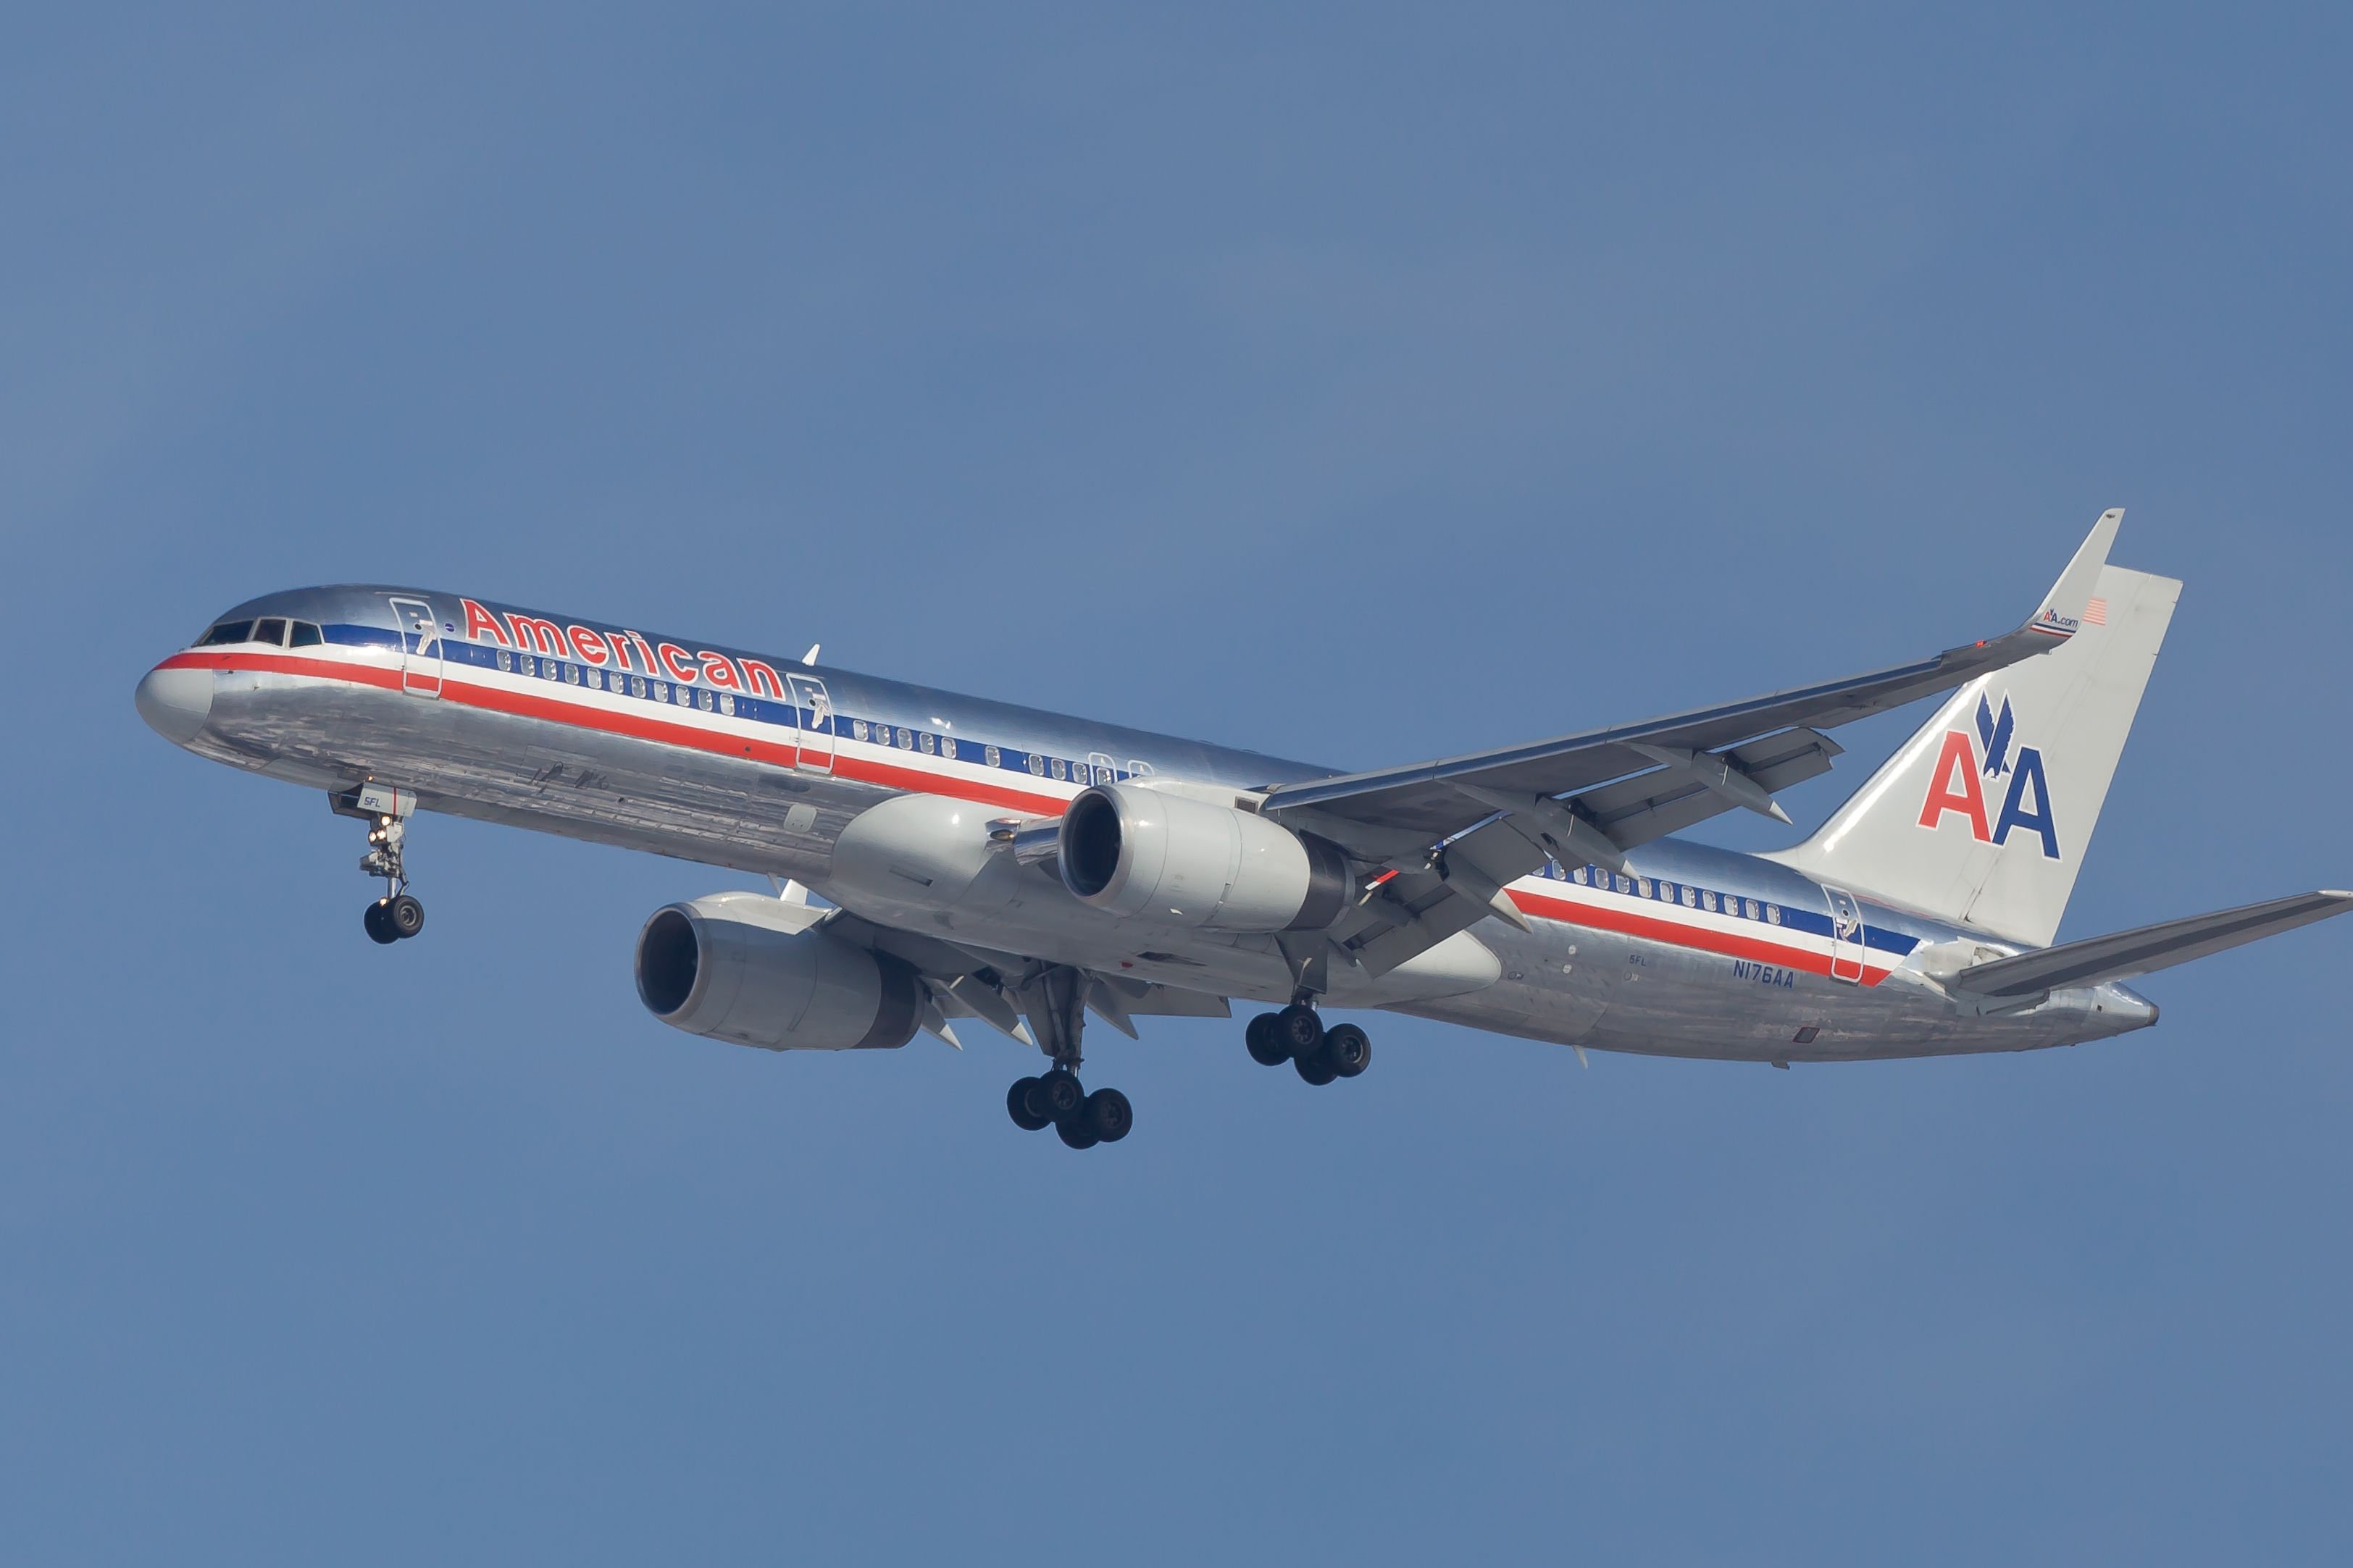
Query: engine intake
x=739, y=967
x=1167, y=858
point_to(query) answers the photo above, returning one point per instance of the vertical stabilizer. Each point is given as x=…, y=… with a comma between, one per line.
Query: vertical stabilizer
x=1984, y=815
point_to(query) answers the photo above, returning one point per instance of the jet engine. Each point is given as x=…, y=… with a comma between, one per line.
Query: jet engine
x=759, y=972
x=1167, y=858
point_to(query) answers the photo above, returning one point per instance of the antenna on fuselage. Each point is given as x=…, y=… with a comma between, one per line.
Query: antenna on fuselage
x=809, y=659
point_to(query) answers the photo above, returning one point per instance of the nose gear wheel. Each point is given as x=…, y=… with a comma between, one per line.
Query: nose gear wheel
x=398, y=914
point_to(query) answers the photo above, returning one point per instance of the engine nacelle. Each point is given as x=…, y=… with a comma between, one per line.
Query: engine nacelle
x=1169, y=859
x=740, y=967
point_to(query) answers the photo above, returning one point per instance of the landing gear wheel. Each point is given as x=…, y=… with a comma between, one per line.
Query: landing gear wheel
x=1074, y=1130
x=1108, y=1115
x=1022, y=1103
x=1347, y=1051
x=1299, y=1028
x=1263, y=1037
x=378, y=926
x=404, y=915
x=1059, y=1095
x=1314, y=1070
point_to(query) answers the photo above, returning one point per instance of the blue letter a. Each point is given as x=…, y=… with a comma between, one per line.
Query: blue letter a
x=2013, y=809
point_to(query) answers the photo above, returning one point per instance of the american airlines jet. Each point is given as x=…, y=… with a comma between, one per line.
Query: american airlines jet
x=982, y=861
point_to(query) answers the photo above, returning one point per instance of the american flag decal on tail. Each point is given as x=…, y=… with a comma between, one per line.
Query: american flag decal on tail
x=2096, y=614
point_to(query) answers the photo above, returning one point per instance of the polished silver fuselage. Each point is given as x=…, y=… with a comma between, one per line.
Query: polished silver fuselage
x=763, y=765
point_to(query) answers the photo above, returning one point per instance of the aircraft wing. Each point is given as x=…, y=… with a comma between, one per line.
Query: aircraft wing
x=2125, y=954
x=1592, y=795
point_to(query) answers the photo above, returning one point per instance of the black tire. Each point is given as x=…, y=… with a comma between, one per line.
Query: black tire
x=1266, y=1046
x=1108, y=1115
x=1074, y=1130
x=1347, y=1051
x=405, y=916
x=1299, y=1028
x=1059, y=1094
x=379, y=928
x=1314, y=1070
x=1021, y=1104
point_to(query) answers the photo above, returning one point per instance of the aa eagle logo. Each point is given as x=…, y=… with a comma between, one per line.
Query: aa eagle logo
x=1955, y=785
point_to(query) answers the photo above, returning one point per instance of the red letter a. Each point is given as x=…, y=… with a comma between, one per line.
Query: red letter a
x=1969, y=799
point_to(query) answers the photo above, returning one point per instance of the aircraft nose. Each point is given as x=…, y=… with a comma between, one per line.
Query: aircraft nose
x=175, y=702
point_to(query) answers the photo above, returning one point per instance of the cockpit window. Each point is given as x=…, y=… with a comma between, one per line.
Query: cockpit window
x=307, y=636
x=271, y=630
x=227, y=632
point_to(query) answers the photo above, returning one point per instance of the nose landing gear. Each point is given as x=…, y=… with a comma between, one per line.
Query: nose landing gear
x=397, y=914
x=1296, y=1034
x=390, y=919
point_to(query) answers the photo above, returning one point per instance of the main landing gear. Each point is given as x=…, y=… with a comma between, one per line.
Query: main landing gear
x=1297, y=1036
x=1055, y=1001
x=1057, y=1100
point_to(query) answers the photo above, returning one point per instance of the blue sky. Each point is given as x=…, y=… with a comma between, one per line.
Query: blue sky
x=1357, y=384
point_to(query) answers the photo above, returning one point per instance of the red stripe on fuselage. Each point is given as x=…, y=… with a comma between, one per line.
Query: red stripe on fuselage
x=635, y=726
x=719, y=742
x=1674, y=933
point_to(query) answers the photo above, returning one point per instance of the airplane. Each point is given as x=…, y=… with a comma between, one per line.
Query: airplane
x=982, y=861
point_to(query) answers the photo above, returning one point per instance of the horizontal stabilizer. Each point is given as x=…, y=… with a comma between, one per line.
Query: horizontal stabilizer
x=2125, y=954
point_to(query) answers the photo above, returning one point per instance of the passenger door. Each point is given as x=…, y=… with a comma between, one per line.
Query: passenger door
x=1847, y=947
x=420, y=647
x=815, y=751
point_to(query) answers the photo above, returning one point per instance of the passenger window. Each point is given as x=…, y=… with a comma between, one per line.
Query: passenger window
x=992, y=756
x=637, y=686
x=1691, y=900
x=227, y=632
x=1773, y=914
x=307, y=636
x=858, y=729
x=727, y=704
x=947, y=747
x=931, y=742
